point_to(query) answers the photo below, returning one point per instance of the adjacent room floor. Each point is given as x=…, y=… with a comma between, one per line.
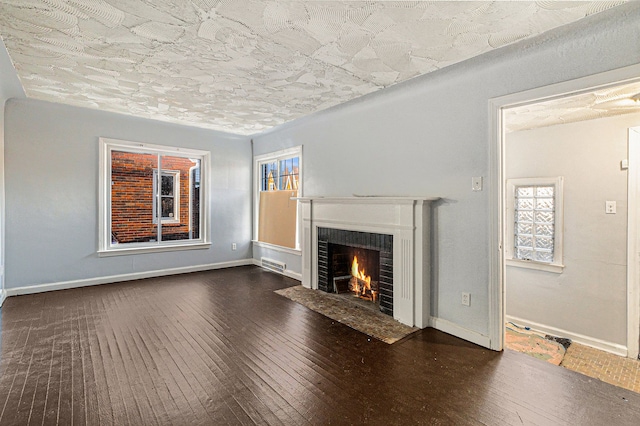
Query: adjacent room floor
x=610, y=368
x=221, y=347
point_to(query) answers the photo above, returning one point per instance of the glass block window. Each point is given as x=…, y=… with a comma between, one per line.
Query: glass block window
x=534, y=223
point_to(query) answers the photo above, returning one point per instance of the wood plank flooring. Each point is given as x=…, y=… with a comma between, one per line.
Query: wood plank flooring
x=220, y=347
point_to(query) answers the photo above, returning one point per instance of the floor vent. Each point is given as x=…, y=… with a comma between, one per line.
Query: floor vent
x=273, y=265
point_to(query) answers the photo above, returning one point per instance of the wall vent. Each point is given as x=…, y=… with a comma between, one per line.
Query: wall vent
x=273, y=265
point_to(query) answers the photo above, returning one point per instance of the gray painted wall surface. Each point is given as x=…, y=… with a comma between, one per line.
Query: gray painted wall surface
x=590, y=296
x=430, y=136
x=10, y=87
x=51, y=164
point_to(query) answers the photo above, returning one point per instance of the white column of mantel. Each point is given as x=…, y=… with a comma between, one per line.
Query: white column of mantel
x=307, y=244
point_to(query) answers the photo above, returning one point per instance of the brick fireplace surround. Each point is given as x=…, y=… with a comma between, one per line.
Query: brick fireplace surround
x=406, y=219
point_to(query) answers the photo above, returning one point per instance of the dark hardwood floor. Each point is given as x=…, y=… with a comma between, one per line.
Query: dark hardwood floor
x=220, y=347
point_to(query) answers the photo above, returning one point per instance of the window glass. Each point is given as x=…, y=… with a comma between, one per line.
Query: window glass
x=132, y=197
x=534, y=227
x=269, y=176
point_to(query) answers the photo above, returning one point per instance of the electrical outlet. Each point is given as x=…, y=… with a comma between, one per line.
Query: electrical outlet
x=233, y=246
x=476, y=183
x=466, y=299
x=610, y=207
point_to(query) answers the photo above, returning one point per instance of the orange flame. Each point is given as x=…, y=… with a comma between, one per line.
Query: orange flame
x=356, y=272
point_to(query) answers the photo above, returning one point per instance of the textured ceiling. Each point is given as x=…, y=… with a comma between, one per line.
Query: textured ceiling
x=610, y=101
x=246, y=66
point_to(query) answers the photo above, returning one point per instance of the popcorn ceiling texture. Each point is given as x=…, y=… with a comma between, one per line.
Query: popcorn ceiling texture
x=246, y=66
x=600, y=103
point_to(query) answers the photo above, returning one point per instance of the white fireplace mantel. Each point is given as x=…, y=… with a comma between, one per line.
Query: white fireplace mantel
x=406, y=218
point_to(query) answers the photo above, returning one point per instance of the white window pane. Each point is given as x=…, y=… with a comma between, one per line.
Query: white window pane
x=524, y=228
x=524, y=241
x=544, y=243
x=524, y=191
x=544, y=191
x=544, y=230
x=524, y=216
x=524, y=254
x=544, y=217
x=544, y=256
x=544, y=204
x=525, y=204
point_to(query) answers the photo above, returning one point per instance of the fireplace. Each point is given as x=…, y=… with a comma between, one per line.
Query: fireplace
x=398, y=228
x=357, y=264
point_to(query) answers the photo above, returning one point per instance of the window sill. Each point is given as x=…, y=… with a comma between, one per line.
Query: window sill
x=282, y=249
x=151, y=249
x=530, y=264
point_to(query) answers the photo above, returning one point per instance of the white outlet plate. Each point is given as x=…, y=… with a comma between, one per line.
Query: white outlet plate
x=610, y=207
x=476, y=183
x=233, y=246
x=466, y=299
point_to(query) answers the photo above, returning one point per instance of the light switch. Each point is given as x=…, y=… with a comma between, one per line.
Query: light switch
x=610, y=207
x=476, y=183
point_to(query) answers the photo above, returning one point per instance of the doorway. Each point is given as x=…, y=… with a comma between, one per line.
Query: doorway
x=626, y=293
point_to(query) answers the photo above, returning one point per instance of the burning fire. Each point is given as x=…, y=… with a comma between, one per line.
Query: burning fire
x=361, y=285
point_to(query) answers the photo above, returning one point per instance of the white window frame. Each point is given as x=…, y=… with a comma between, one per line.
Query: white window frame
x=557, y=265
x=270, y=158
x=175, y=219
x=105, y=246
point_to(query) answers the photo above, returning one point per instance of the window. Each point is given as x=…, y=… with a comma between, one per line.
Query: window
x=276, y=213
x=141, y=182
x=534, y=214
x=169, y=196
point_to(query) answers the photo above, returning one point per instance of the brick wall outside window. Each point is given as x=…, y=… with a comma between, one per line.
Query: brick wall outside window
x=132, y=197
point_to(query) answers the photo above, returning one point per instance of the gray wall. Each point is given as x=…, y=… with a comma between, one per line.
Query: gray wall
x=10, y=87
x=51, y=162
x=590, y=296
x=430, y=136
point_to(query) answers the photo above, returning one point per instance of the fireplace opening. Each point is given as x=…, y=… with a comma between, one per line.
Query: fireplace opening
x=356, y=272
x=358, y=266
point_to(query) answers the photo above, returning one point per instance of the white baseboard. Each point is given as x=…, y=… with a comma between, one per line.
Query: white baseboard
x=3, y=296
x=39, y=288
x=603, y=345
x=461, y=332
x=295, y=275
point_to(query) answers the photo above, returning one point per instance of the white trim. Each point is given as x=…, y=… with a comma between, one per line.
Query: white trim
x=3, y=296
x=461, y=332
x=496, y=173
x=532, y=264
x=133, y=248
x=603, y=345
x=281, y=249
x=287, y=273
x=39, y=288
x=633, y=245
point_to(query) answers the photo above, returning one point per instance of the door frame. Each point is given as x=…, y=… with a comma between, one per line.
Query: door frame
x=633, y=244
x=497, y=187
